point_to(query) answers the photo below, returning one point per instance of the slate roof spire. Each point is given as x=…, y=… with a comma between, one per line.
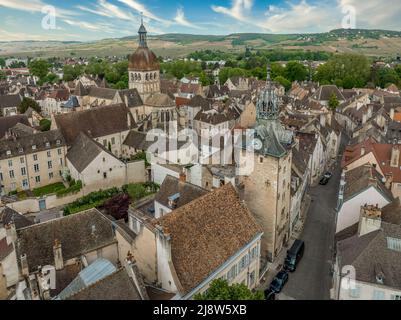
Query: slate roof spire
x=142, y=34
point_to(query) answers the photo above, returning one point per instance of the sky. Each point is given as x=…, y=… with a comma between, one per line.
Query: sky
x=85, y=20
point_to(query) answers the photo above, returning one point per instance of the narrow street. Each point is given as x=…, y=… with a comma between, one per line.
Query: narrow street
x=312, y=279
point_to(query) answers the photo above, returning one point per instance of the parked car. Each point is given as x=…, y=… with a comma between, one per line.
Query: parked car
x=328, y=175
x=279, y=281
x=269, y=295
x=324, y=181
x=294, y=255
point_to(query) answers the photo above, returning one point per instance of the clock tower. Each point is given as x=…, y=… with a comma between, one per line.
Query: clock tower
x=266, y=190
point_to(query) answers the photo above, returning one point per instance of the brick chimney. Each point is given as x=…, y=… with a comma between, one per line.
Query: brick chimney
x=183, y=177
x=11, y=232
x=24, y=265
x=370, y=219
x=58, y=255
x=395, y=156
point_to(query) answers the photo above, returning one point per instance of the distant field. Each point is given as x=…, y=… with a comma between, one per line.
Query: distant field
x=369, y=42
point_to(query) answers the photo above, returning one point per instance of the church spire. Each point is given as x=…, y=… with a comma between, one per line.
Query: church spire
x=142, y=34
x=268, y=78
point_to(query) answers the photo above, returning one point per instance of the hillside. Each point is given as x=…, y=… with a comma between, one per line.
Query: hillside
x=379, y=43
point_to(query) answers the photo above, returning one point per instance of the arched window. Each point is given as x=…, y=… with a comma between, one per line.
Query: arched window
x=151, y=76
x=139, y=77
x=155, y=75
x=147, y=77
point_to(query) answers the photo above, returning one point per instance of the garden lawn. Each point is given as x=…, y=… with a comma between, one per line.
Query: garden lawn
x=49, y=189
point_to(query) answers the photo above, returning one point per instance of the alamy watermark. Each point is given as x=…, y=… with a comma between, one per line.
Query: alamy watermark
x=49, y=20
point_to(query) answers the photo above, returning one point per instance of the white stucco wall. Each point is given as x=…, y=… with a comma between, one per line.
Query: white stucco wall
x=350, y=210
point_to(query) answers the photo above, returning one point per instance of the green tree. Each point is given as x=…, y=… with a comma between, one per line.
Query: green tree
x=221, y=290
x=45, y=125
x=295, y=71
x=387, y=76
x=2, y=62
x=72, y=72
x=333, y=101
x=18, y=64
x=284, y=82
x=27, y=103
x=3, y=75
x=50, y=78
x=353, y=70
x=39, y=68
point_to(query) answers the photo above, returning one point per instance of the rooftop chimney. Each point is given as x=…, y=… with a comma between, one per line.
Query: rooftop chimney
x=395, y=156
x=370, y=219
x=183, y=177
x=58, y=255
x=24, y=265
x=392, y=113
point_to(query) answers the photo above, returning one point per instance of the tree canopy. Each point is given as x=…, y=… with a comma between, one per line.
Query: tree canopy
x=345, y=70
x=221, y=290
x=27, y=103
x=39, y=68
x=45, y=125
x=333, y=101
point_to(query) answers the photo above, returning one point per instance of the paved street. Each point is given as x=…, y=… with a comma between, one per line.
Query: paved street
x=312, y=280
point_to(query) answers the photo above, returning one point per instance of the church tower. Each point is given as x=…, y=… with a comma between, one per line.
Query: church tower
x=144, y=68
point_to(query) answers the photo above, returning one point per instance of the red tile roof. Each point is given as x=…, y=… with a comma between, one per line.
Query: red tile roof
x=382, y=154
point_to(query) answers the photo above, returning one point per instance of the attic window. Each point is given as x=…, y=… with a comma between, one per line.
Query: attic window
x=394, y=244
x=172, y=200
x=58, y=142
x=20, y=150
x=9, y=153
x=47, y=144
x=34, y=147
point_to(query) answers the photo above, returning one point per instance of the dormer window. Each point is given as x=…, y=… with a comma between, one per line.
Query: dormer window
x=47, y=144
x=34, y=147
x=58, y=142
x=21, y=150
x=9, y=153
x=173, y=200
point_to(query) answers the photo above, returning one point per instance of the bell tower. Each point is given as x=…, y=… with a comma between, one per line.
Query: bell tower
x=143, y=67
x=267, y=104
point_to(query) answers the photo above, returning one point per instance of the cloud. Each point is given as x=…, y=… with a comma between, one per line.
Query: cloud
x=139, y=7
x=375, y=13
x=181, y=20
x=304, y=17
x=20, y=36
x=106, y=9
x=238, y=10
x=90, y=26
x=33, y=6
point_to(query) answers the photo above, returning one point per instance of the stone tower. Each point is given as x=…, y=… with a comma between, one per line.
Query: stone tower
x=144, y=68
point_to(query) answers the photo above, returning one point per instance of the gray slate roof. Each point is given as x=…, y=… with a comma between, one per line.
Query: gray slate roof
x=117, y=286
x=84, y=151
x=10, y=215
x=370, y=254
x=78, y=234
x=171, y=186
x=23, y=145
x=10, y=101
x=8, y=122
x=361, y=178
x=96, y=122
